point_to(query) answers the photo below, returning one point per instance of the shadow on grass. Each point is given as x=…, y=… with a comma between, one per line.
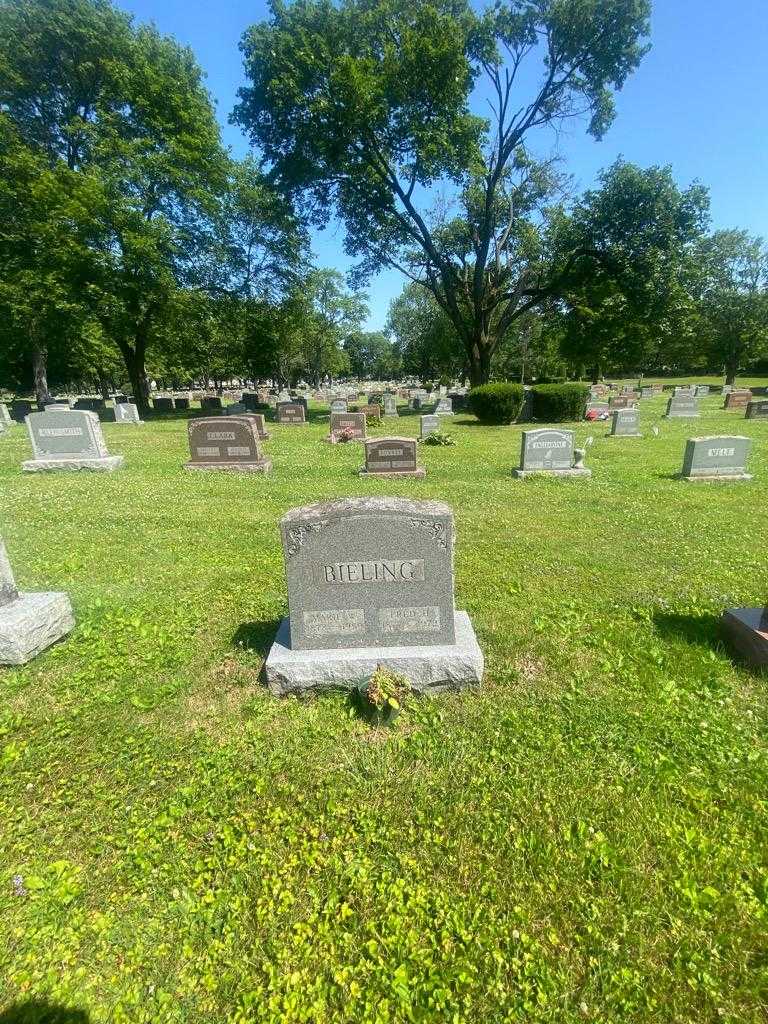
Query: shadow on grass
x=699, y=630
x=36, y=1011
x=254, y=636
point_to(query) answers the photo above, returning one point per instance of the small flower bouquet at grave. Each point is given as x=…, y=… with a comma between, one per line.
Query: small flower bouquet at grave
x=381, y=697
x=343, y=436
x=437, y=438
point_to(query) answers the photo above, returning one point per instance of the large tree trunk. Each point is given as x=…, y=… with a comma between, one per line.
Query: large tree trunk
x=40, y=370
x=480, y=362
x=731, y=371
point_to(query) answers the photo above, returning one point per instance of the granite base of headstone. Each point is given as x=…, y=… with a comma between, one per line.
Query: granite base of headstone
x=716, y=459
x=68, y=441
x=29, y=623
x=371, y=583
x=550, y=452
x=391, y=456
x=226, y=444
x=747, y=631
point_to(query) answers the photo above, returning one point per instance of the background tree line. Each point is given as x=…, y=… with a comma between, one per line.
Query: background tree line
x=132, y=244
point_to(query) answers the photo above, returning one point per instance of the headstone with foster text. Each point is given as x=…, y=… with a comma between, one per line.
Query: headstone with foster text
x=391, y=456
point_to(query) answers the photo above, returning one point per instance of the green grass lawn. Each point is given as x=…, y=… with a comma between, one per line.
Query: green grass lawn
x=584, y=838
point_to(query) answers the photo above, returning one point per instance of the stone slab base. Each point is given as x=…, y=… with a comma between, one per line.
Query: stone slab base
x=428, y=669
x=685, y=416
x=232, y=467
x=726, y=478
x=420, y=471
x=521, y=474
x=623, y=435
x=31, y=624
x=747, y=629
x=105, y=465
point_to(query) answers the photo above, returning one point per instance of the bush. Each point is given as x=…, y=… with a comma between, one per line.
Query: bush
x=558, y=403
x=437, y=438
x=496, y=403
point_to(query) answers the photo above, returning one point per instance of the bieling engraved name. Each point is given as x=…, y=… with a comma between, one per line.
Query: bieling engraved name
x=396, y=570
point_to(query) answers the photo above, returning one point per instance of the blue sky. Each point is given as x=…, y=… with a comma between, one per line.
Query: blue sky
x=698, y=102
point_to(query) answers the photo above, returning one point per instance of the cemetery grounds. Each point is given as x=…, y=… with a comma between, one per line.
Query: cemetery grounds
x=581, y=839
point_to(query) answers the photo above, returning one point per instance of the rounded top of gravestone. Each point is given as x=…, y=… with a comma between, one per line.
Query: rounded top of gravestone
x=388, y=439
x=367, y=506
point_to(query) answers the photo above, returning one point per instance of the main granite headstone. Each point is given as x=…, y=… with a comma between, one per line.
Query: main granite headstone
x=550, y=451
x=29, y=623
x=230, y=443
x=68, y=440
x=739, y=398
x=429, y=425
x=716, y=458
x=747, y=630
x=370, y=583
x=391, y=456
x=682, y=406
x=757, y=409
x=350, y=424
x=625, y=423
x=126, y=412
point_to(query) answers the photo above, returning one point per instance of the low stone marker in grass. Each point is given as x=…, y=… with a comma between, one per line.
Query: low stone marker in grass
x=430, y=424
x=68, y=440
x=390, y=406
x=550, y=452
x=339, y=405
x=126, y=412
x=625, y=423
x=391, y=456
x=747, y=630
x=370, y=583
x=347, y=426
x=226, y=444
x=291, y=414
x=29, y=623
x=739, y=398
x=716, y=458
x=444, y=407
x=757, y=409
x=682, y=406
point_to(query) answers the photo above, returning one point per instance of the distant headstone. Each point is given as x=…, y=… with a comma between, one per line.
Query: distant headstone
x=68, y=440
x=182, y=402
x=716, y=458
x=646, y=392
x=163, y=403
x=738, y=399
x=747, y=630
x=29, y=623
x=625, y=423
x=126, y=412
x=231, y=443
x=684, y=391
x=620, y=402
x=90, y=404
x=444, y=407
x=5, y=416
x=701, y=391
x=429, y=424
x=370, y=583
x=550, y=451
x=235, y=409
x=339, y=405
x=210, y=403
x=372, y=412
x=284, y=396
x=391, y=456
x=601, y=409
x=682, y=406
x=347, y=426
x=390, y=405
x=20, y=411
x=757, y=410
x=291, y=413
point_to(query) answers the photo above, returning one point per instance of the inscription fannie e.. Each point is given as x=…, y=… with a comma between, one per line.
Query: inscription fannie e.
x=383, y=571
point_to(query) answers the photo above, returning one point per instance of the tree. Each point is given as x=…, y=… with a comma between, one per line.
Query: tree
x=628, y=261
x=363, y=107
x=734, y=300
x=371, y=355
x=333, y=314
x=425, y=339
x=125, y=109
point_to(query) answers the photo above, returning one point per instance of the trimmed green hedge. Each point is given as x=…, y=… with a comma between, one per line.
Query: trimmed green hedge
x=496, y=403
x=558, y=403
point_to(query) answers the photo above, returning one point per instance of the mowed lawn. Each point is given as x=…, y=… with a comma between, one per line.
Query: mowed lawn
x=584, y=838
